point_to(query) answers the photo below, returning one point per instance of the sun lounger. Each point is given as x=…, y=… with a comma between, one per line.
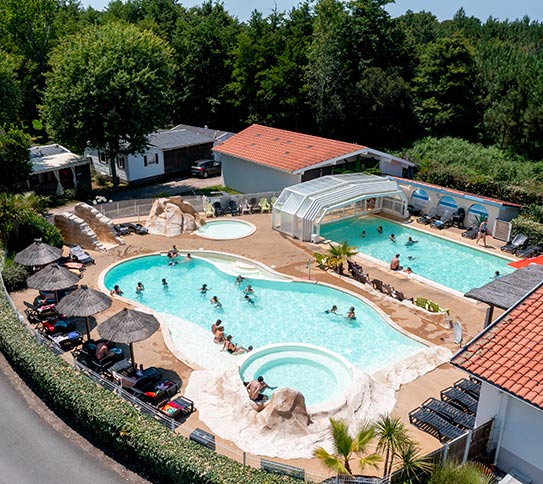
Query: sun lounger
x=77, y=253
x=450, y=412
x=400, y=296
x=517, y=243
x=459, y=398
x=428, y=217
x=469, y=386
x=377, y=285
x=121, y=230
x=273, y=200
x=421, y=302
x=387, y=290
x=530, y=251
x=135, y=228
x=471, y=233
x=442, y=221
x=178, y=406
x=432, y=423
x=208, y=209
x=416, y=212
x=67, y=341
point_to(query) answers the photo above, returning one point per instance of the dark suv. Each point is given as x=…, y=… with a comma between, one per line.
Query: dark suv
x=204, y=168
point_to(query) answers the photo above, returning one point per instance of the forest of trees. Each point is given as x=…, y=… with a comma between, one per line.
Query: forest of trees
x=340, y=69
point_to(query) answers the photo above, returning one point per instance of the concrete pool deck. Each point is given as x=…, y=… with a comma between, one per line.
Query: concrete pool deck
x=290, y=257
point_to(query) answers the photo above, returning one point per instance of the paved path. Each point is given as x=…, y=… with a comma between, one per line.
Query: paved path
x=34, y=451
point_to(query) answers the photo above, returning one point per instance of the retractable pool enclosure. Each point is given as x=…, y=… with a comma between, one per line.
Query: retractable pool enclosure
x=301, y=209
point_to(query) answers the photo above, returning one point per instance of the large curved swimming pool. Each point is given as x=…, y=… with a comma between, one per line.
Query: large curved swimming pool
x=283, y=311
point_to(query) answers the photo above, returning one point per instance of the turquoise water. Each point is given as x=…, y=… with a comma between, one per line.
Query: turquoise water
x=453, y=265
x=283, y=311
x=225, y=229
x=308, y=370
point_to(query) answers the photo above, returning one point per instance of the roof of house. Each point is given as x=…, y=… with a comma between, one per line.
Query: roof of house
x=469, y=196
x=505, y=291
x=53, y=158
x=171, y=139
x=286, y=150
x=215, y=134
x=509, y=353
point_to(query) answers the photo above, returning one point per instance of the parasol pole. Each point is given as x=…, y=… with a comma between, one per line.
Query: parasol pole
x=88, y=327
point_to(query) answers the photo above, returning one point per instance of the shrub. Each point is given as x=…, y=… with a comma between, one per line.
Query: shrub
x=114, y=422
x=102, y=180
x=33, y=227
x=14, y=275
x=532, y=229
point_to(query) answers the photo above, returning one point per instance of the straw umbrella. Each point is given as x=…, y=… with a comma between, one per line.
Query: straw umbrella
x=52, y=278
x=84, y=302
x=128, y=326
x=38, y=254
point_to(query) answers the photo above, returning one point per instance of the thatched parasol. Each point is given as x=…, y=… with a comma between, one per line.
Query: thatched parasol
x=38, y=254
x=52, y=278
x=84, y=302
x=128, y=326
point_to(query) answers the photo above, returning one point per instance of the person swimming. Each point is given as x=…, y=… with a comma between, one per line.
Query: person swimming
x=248, y=290
x=215, y=302
x=392, y=238
x=239, y=279
x=380, y=229
x=350, y=314
x=204, y=289
x=363, y=234
x=249, y=300
x=410, y=242
x=332, y=310
x=140, y=288
x=164, y=284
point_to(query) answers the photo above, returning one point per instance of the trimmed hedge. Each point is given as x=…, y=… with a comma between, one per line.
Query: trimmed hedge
x=114, y=422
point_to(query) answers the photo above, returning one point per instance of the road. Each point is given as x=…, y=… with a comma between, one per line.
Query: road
x=38, y=448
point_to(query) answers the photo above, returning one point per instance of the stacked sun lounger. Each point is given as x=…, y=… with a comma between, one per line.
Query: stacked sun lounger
x=453, y=415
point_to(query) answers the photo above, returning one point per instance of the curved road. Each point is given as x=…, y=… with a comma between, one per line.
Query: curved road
x=32, y=451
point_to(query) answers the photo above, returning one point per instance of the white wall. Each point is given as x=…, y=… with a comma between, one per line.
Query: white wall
x=521, y=445
x=138, y=171
x=247, y=177
x=391, y=167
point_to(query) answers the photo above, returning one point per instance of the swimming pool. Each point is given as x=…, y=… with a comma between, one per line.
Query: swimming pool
x=453, y=265
x=283, y=311
x=226, y=229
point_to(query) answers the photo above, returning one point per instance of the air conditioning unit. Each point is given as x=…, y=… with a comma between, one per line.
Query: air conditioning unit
x=502, y=230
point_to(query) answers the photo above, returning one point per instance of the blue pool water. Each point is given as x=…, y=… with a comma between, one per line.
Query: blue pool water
x=453, y=265
x=283, y=311
x=225, y=229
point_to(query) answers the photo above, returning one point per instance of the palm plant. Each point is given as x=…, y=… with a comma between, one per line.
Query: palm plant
x=392, y=439
x=338, y=253
x=346, y=446
x=14, y=209
x=468, y=473
x=413, y=463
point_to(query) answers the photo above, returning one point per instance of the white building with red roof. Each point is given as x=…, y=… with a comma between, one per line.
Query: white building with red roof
x=508, y=358
x=264, y=159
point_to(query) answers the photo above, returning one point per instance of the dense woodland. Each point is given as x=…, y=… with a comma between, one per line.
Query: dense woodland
x=345, y=70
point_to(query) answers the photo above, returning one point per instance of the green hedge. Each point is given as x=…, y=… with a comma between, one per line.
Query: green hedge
x=532, y=229
x=114, y=422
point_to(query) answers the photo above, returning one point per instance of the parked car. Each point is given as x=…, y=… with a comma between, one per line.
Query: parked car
x=205, y=168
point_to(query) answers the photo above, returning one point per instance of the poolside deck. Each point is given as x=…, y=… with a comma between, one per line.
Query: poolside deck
x=290, y=257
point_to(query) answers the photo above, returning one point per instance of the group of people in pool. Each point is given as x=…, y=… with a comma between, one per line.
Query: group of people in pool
x=140, y=288
x=247, y=293
x=227, y=344
x=173, y=253
x=350, y=314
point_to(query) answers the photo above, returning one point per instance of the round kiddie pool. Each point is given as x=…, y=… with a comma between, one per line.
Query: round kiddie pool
x=322, y=376
x=226, y=229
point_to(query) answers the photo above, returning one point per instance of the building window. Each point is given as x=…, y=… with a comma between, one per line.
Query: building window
x=156, y=158
x=145, y=160
x=102, y=157
x=120, y=162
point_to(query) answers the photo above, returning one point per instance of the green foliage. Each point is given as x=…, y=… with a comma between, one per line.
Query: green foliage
x=15, y=162
x=469, y=473
x=10, y=90
x=471, y=167
x=109, y=87
x=346, y=447
x=529, y=227
x=32, y=227
x=114, y=423
x=14, y=275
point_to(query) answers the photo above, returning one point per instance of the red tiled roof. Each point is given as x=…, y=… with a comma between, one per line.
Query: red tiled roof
x=509, y=354
x=284, y=150
x=458, y=192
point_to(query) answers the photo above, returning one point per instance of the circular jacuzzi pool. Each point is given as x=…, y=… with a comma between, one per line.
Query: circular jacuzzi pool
x=226, y=229
x=320, y=375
